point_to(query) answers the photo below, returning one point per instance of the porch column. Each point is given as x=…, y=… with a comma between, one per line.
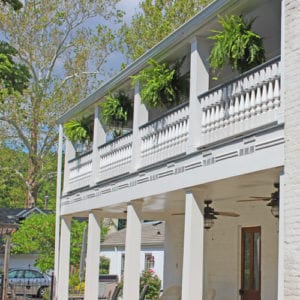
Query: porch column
x=132, y=252
x=140, y=117
x=64, y=258
x=99, y=139
x=93, y=256
x=192, y=275
x=199, y=83
x=70, y=153
x=174, y=232
x=57, y=215
x=291, y=189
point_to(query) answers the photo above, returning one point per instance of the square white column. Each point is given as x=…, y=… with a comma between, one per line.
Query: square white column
x=64, y=258
x=99, y=139
x=93, y=256
x=140, y=117
x=132, y=252
x=199, y=83
x=192, y=274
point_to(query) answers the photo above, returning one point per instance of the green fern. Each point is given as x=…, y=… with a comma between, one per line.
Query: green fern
x=79, y=130
x=116, y=110
x=162, y=85
x=236, y=44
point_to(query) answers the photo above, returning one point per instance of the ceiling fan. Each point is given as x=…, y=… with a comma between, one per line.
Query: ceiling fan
x=274, y=195
x=210, y=214
x=274, y=200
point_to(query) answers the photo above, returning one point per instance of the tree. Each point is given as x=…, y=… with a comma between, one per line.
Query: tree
x=65, y=57
x=36, y=234
x=155, y=20
x=15, y=4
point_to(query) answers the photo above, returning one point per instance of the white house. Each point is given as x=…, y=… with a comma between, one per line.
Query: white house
x=228, y=143
x=151, y=254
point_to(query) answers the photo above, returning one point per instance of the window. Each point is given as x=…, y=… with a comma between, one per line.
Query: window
x=149, y=261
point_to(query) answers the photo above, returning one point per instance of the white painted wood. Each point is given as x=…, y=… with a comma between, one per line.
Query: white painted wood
x=140, y=117
x=199, y=81
x=58, y=211
x=64, y=258
x=192, y=272
x=132, y=251
x=92, y=256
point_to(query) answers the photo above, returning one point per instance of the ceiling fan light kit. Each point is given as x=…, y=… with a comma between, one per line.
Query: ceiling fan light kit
x=210, y=214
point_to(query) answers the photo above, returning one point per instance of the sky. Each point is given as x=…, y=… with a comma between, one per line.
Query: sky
x=130, y=7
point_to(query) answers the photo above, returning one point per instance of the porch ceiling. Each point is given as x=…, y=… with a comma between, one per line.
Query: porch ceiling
x=229, y=190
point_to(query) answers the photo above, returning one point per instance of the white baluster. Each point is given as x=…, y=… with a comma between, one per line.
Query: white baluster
x=212, y=118
x=252, y=102
x=258, y=100
x=276, y=92
x=222, y=114
x=247, y=104
x=231, y=110
x=208, y=118
x=270, y=96
x=217, y=115
x=236, y=109
x=204, y=120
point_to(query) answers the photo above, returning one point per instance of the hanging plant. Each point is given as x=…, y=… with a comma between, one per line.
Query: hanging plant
x=162, y=85
x=79, y=130
x=236, y=44
x=116, y=111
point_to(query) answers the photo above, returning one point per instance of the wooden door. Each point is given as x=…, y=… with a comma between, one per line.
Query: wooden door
x=251, y=263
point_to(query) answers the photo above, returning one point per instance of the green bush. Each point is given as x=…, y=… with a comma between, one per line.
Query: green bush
x=149, y=277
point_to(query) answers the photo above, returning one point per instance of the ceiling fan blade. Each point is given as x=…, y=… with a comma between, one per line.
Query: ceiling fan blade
x=226, y=213
x=261, y=198
x=251, y=200
x=178, y=214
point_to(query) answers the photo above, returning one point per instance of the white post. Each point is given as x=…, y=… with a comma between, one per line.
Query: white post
x=132, y=252
x=58, y=199
x=70, y=153
x=93, y=256
x=199, y=83
x=64, y=258
x=174, y=234
x=98, y=140
x=192, y=275
x=140, y=117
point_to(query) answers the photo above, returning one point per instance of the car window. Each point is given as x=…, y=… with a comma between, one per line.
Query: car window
x=33, y=274
x=13, y=274
x=20, y=274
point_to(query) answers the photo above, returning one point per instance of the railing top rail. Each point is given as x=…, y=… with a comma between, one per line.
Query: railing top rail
x=169, y=112
x=80, y=156
x=116, y=139
x=241, y=76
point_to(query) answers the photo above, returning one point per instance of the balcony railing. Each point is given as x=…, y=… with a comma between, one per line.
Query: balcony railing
x=165, y=137
x=249, y=102
x=80, y=171
x=115, y=157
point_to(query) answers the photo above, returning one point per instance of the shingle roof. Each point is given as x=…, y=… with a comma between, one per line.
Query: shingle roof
x=153, y=233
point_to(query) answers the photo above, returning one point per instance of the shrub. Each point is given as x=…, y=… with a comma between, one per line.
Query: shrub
x=149, y=277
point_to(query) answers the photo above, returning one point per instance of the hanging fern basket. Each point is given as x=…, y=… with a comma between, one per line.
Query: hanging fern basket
x=237, y=45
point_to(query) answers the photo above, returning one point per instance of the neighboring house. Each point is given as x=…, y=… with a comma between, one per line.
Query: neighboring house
x=228, y=143
x=11, y=217
x=152, y=249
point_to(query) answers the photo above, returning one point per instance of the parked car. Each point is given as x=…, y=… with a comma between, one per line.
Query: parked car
x=28, y=282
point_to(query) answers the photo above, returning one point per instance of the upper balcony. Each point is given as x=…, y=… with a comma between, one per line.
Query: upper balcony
x=214, y=112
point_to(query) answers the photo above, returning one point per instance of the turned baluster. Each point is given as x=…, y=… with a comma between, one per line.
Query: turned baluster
x=277, y=92
x=204, y=120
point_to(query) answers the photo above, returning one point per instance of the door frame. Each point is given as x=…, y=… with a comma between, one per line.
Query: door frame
x=242, y=257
